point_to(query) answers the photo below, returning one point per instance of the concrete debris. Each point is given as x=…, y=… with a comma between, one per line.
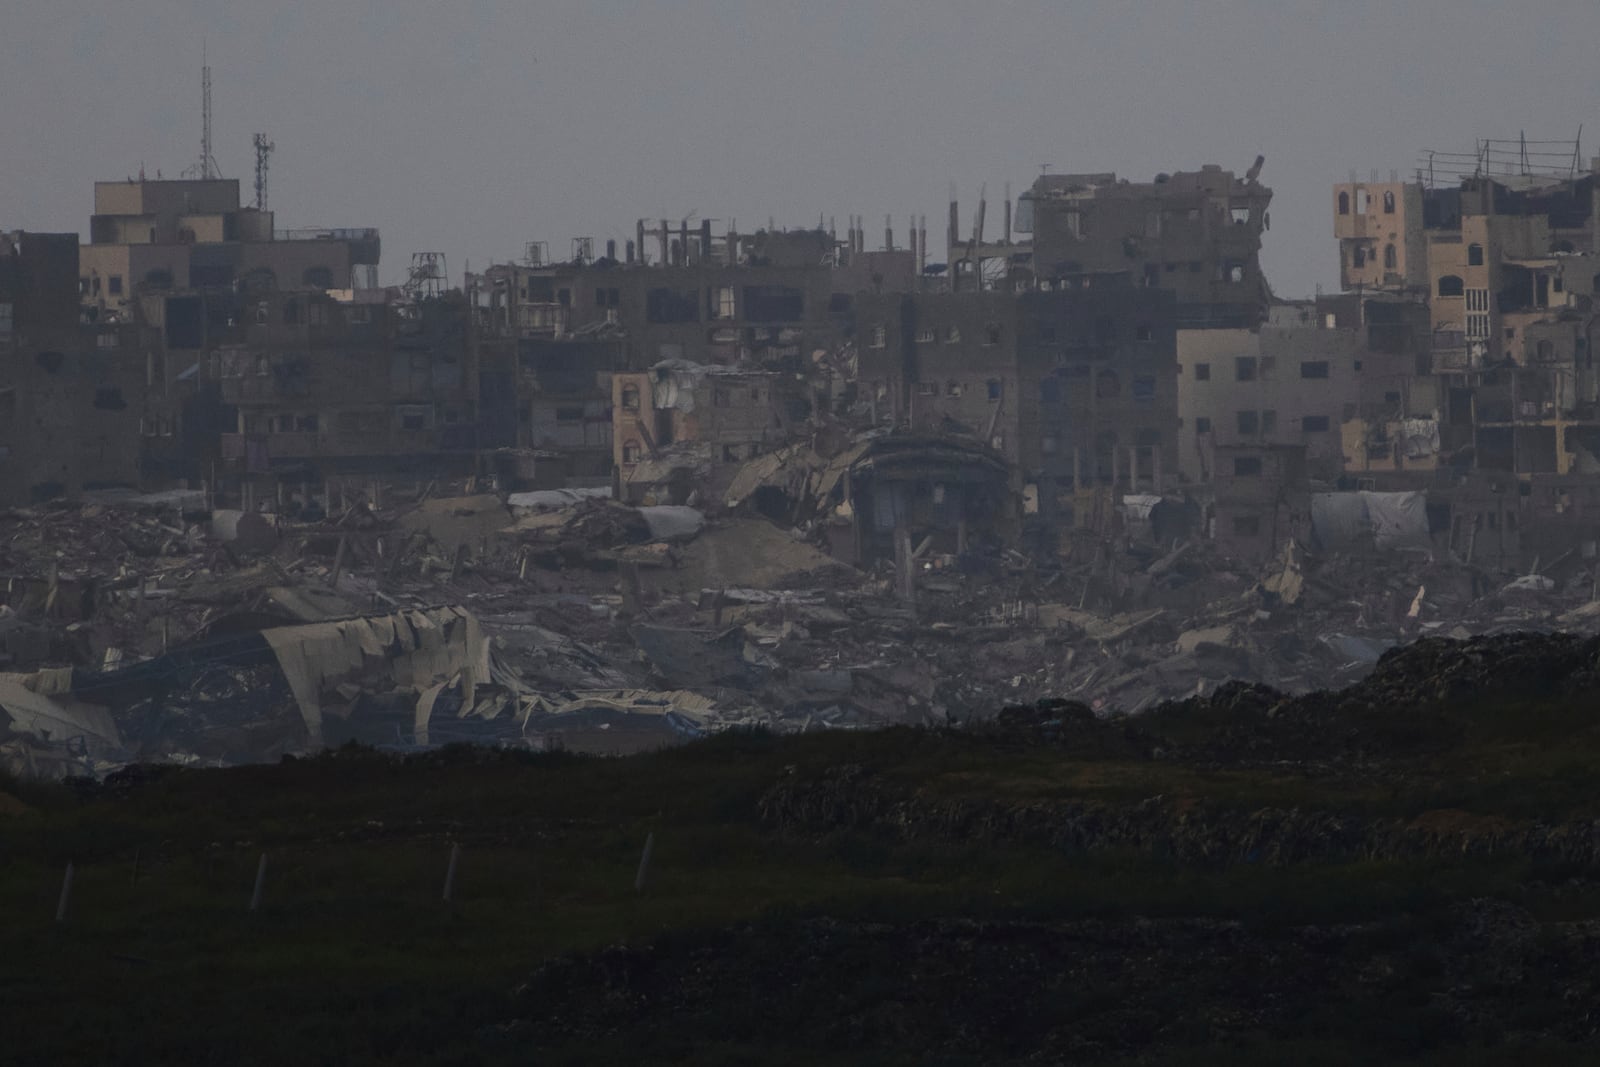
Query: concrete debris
x=147, y=631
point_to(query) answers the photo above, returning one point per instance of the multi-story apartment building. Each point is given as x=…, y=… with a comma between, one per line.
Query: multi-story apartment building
x=1075, y=387
x=157, y=236
x=74, y=396
x=1196, y=233
x=1336, y=375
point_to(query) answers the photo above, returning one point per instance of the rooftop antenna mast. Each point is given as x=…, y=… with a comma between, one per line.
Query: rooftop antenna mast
x=264, y=149
x=208, y=164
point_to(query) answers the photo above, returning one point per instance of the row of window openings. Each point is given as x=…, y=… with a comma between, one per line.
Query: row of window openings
x=720, y=397
x=1249, y=368
x=1363, y=202
x=1233, y=271
x=161, y=278
x=405, y=417
x=1105, y=333
x=1250, y=423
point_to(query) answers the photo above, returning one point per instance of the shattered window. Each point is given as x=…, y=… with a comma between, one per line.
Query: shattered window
x=1202, y=424
x=955, y=389
x=1248, y=422
x=925, y=337
x=952, y=336
x=880, y=335
x=1144, y=389
x=1246, y=525
x=1269, y=421
x=1244, y=369
x=1246, y=466
x=630, y=398
x=994, y=388
x=1202, y=372
x=1314, y=369
x=631, y=452
x=1314, y=424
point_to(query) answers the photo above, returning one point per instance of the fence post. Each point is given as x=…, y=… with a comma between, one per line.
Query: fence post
x=261, y=880
x=66, y=894
x=450, y=873
x=644, y=862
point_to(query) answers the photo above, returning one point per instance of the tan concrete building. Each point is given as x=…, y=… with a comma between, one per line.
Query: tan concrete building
x=1379, y=227
x=157, y=236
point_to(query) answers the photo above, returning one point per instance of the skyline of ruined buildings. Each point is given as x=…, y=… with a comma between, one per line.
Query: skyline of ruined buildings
x=1115, y=347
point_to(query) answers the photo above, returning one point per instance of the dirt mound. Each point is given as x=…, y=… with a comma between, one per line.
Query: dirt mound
x=1420, y=698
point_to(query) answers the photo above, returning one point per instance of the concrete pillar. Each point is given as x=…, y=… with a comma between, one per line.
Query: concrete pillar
x=639, y=237
x=630, y=253
x=1133, y=468
x=1155, y=457
x=888, y=233
x=1116, y=469
x=666, y=243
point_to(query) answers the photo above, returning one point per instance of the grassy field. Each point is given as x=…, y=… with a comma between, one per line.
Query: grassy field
x=354, y=957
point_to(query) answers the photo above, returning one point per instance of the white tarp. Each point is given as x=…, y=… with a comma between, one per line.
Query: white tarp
x=550, y=499
x=1384, y=520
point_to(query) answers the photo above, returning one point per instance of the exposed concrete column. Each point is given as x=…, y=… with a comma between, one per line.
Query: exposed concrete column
x=1133, y=468
x=1155, y=456
x=639, y=235
x=733, y=244
x=888, y=233
x=666, y=243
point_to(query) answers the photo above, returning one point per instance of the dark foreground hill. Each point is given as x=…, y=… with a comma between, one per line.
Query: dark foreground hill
x=1407, y=871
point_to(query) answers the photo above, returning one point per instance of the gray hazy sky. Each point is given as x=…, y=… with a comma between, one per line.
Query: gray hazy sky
x=472, y=127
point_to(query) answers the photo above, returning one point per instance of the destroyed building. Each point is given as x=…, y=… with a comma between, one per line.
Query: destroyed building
x=320, y=386
x=1195, y=233
x=678, y=422
x=1076, y=388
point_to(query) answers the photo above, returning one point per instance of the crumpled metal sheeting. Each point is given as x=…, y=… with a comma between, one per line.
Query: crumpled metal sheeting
x=425, y=649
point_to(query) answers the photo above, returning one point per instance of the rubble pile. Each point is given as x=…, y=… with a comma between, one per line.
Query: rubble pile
x=154, y=628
